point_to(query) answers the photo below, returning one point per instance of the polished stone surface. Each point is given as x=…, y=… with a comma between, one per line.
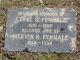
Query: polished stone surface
x=41, y=30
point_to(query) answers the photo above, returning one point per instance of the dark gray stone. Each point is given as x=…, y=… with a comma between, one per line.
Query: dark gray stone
x=35, y=29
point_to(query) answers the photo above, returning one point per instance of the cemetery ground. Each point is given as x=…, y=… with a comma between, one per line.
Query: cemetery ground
x=5, y=4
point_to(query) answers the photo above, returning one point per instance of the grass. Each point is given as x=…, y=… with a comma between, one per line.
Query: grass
x=0, y=56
